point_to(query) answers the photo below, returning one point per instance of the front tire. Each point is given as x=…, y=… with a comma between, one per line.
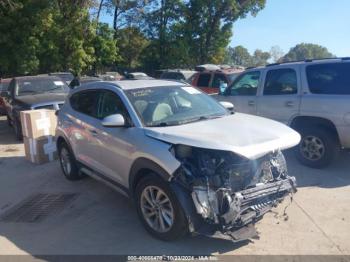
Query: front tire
x=68, y=163
x=317, y=147
x=159, y=209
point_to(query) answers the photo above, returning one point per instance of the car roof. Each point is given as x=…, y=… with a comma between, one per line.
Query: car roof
x=131, y=84
x=307, y=61
x=44, y=77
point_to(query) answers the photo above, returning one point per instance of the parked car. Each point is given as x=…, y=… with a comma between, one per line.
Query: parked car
x=30, y=93
x=313, y=97
x=3, y=87
x=78, y=81
x=177, y=74
x=138, y=76
x=67, y=77
x=209, y=80
x=189, y=163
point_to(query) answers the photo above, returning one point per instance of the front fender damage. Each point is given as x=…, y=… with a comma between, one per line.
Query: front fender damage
x=224, y=195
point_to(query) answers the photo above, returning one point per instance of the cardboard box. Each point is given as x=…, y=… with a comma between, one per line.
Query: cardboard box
x=40, y=150
x=38, y=123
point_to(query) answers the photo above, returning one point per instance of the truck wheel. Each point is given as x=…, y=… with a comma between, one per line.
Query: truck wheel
x=159, y=209
x=68, y=163
x=317, y=147
x=18, y=129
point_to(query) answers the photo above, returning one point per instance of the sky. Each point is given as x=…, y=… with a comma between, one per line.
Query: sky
x=287, y=23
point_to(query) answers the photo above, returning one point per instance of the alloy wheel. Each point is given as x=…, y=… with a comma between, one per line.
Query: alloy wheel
x=65, y=161
x=157, y=209
x=312, y=148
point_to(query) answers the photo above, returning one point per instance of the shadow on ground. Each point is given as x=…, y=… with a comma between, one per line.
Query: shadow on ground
x=335, y=175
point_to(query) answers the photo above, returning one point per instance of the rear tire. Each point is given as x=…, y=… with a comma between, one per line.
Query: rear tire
x=174, y=223
x=68, y=163
x=317, y=148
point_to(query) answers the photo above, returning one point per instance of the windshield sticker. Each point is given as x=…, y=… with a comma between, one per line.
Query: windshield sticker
x=190, y=90
x=141, y=93
x=58, y=83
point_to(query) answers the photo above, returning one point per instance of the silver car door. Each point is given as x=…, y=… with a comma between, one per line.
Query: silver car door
x=280, y=96
x=242, y=93
x=84, y=135
x=115, y=144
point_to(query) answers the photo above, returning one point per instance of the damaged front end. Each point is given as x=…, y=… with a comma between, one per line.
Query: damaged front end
x=230, y=193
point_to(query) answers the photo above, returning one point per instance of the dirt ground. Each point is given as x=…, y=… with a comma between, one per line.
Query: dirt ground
x=101, y=221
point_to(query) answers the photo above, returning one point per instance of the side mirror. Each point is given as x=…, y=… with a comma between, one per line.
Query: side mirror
x=116, y=120
x=228, y=105
x=5, y=94
x=223, y=86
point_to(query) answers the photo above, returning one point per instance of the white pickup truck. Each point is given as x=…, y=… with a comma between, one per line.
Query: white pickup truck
x=312, y=96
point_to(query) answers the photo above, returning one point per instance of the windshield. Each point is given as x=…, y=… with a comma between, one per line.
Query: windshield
x=39, y=86
x=175, y=105
x=232, y=77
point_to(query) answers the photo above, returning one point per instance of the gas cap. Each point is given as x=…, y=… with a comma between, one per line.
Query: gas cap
x=347, y=118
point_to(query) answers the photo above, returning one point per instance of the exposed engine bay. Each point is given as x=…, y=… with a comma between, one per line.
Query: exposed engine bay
x=231, y=192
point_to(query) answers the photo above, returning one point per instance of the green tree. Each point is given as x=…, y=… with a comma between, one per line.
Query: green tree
x=209, y=25
x=260, y=58
x=131, y=43
x=106, y=52
x=238, y=55
x=306, y=51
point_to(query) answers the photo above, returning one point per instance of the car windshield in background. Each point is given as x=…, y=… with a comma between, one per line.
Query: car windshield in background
x=166, y=106
x=39, y=86
x=3, y=86
x=232, y=77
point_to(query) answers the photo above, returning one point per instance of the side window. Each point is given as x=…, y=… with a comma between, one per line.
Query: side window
x=203, y=80
x=218, y=78
x=246, y=84
x=85, y=102
x=331, y=78
x=281, y=82
x=110, y=104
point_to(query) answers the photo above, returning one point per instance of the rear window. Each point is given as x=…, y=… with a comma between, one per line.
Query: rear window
x=332, y=79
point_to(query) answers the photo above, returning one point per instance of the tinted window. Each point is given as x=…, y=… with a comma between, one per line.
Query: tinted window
x=246, y=84
x=329, y=78
x=203, y=80
x=218, y=78
x=85, y=102
x=281, y=82
x=110, y=104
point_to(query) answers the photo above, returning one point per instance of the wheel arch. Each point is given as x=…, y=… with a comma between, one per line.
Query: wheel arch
x=300, y=122
x=143, y=167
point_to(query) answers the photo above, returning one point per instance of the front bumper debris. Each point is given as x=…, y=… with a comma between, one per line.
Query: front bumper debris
x=245, y=208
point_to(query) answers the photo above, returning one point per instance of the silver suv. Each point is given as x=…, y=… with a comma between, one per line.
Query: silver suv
x=313, y=97
x=189, y=163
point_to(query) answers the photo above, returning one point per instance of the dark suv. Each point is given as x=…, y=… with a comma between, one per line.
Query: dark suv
x=29, y=93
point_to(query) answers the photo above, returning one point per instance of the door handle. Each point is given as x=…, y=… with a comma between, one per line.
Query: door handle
x=289, y=104
x=251, y=103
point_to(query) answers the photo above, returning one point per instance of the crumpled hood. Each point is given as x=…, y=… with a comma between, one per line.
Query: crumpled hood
x=246, y=135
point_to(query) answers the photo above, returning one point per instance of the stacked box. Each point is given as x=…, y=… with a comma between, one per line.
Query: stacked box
x=38, y=129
